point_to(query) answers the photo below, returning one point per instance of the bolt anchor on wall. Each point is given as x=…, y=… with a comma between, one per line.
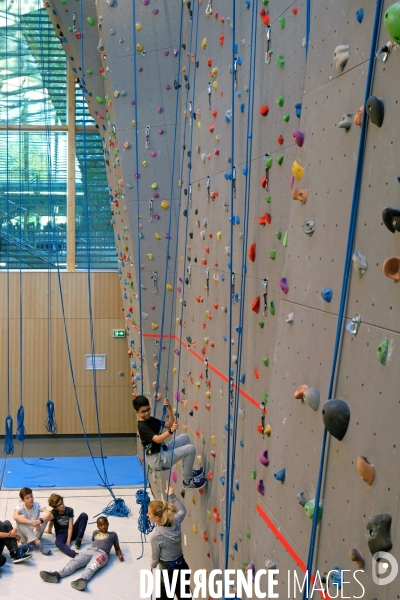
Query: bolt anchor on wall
x=74, y=28
x=147, y=133
x=155, y=279
x=208, y=188
x=268, y=54
x=209, y=96
x=150, y=210
x=264, y=283
x=208, y=282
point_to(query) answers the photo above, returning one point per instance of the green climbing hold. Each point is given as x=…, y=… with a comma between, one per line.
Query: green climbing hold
x=282, y=22
x=265, y=398
x=286, y=117
x=70, y=29
x=272, y=254
x=91, y=21
x=278, y=235
x=100, y=100
x=268, y=162
x=107, y=97
x=265, y=2
x=285, y=239
x=108, y=117
x=270, y=51
x=261, y=324
x=279, y=160
x=244, y=567
x=253, y=473
x=89, y=72
x=63, y=1
x=272, y=308
x=104, y=76
x=392, y=21
x=265, y=362
x=309, y=507
x=268, y=199
x=281, y=61
x=280, y=100
x=382, y=352
x=247, y=534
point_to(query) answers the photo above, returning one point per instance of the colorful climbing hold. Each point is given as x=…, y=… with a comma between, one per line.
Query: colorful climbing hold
x=336, y=417
x=366, y=470
x=280, y=475
x=327, y=294
x=391, y=21
x=382, y=352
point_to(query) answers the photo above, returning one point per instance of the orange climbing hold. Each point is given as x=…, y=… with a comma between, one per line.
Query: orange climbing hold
x=259, y=428
x=203, y=350
x=207, y=249
x=203, y=261
x=255, y=307
x=265, y=17
x=209, y=475
x=265, y=218
x=214, y=539
x=252, y=252
x=215, y=305
x=299, y=393
x=209, y=62
x=213, y=195
x=280, y=140
x=196, y=407
x=256, y=373
x=264, y=182
x=214, y=112
x=264, y=110
x=211, y=128
x=205, y=536
x=197, y=432
x=212, y=344
x=199, y=298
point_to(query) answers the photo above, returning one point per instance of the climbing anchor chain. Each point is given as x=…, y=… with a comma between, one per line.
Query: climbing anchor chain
x=209, y=96
x=206, y=365
x=268, y=54
x=155, y=282
x=147, y=133
x=264, y=283
x=354, y=324
x=209, y=8
x=150, y=210
x=208, y=281
x=208, y=188
x=189, y=276
x=74, y=28
x=262, y=406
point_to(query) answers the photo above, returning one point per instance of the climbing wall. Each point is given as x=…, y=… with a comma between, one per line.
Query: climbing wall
x=98, y=39
x=290, y=248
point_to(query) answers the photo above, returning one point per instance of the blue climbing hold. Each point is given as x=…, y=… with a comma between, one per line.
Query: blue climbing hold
x=239, y=329
x=236, y=297
x=231, y=372
x=327, y=294
x=224, y=338
x=228, y=175
x=242, y=107
x=298, y=109
x=222, y=480
x=235, y=546
x=247, y=3
x=133, y=365
x=237, y=484
x=239, y=61
x=221, y=536
x=280, y=475
x=229, y=265
x=244, y=171
x=336, y=576
x=222, y=277
x=360, y=15
x=241, y=443
x=243, y=378
x=235, y=220
x=235, y=48
x=227, y=119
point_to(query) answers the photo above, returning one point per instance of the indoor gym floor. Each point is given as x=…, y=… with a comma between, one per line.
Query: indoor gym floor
x=118, y=580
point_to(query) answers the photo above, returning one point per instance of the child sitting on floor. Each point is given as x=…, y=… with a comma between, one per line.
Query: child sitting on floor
x=93, y=558
x=66, y=530
x=160, y=455
x=9, y=538
x=30, y=525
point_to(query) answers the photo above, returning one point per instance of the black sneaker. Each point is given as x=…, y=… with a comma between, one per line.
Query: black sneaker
x=79, y=584
x=78, y=543
x=49, y=577
x=19, y=556
x=196, y=483
x=198, y=472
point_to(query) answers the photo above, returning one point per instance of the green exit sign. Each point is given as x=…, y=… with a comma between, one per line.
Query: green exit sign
x=118, y=332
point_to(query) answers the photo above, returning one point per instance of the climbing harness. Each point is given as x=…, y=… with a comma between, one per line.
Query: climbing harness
x=147, y=134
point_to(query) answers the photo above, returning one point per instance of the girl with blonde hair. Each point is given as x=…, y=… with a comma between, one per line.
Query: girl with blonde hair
x=166, y=542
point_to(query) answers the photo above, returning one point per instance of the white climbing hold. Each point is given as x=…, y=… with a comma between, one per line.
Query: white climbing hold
x=290, y=318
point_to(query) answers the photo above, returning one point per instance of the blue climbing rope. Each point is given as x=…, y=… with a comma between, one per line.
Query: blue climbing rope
x=50, y=423
x=346, y=274
x=144, y=525
x=229, y=466
x=308, y=25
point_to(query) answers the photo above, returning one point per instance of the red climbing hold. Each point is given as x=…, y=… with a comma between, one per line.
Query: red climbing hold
x=209, y=475
x=211, y=128
x=264, y=110
x=216, y=15
x=208, y=407
x=207, y=249
x=215, y=305
x=265, y=218
x=209, y=62
x=222, y=38
x=196, y=407
x=252, y=252
x=264, y=182
x=216, y=152
x=198, y=433
x=256, y=373
x=255, y=307
x=199, y=298
x=222, y=19
x=260, y=428
x=205, y=536
x=203, y=350
x=214, y=539
x=214, y=112
x=212, y=344
x=280, y=140
x=295, y=11
x=265, y=17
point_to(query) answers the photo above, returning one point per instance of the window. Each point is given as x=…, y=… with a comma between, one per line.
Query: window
x=46, y=160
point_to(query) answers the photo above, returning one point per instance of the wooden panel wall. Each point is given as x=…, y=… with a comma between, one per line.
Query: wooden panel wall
x=113, y=391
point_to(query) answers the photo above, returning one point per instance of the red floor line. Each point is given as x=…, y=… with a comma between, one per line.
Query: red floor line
x=286, y=544
x=213, y=369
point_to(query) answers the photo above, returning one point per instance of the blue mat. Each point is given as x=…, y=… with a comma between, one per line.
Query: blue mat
x=71, y=472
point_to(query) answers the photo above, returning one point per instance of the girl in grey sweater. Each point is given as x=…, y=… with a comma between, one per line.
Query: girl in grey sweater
x=166, y=543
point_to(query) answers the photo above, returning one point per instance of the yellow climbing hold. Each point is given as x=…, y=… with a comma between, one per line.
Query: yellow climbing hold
x=219, y=236
x=144, y=163
x=154, y=326
x=154, y=186
x=116, y=94
x=198, y=124
x=150, y=256
x=183, y=69
x=139, y=48
x=177, y=320
x=138, y=27
x=206, y=340
x=204, y=43
x=165, y=204
x=193, y=500
x=198, y=384
x=174, y=370
x=195, y=528
x=217, y=138
x=213, y=440
x=199, y=460
x=169, y=287
x=297, y=170
x=208, y=512
x=267, y=430
x=215, y=85
x=157, y=236
x=208, y=394
x=133, y=123
x=214, y=71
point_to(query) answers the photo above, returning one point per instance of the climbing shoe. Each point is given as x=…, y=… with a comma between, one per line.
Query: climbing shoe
x=78, y=543
x=195, y=483
x=198, y=472
x=79, y=584
x=49, y=577
x=19, y=556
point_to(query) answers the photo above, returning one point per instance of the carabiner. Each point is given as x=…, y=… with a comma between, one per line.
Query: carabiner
x=74, y=27
x=209, y=8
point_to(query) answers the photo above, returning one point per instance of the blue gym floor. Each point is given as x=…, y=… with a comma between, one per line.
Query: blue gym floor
x=70, y=472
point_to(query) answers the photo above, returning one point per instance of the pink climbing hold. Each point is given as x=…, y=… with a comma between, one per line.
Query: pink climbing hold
x=298, y=137
x=159, y=109
x=153, y=153
x=161, y=131
x=156, y=216
x=156, y=195
x=284, y=285
x=291, y=182
x=179, y=289
x=176, y=51
x=155, y=11
x=152, y=306
x=177, y=396
x=264, y=460
x=167, y=86
x=146, y=2
x=174, y=476
x=260, y=487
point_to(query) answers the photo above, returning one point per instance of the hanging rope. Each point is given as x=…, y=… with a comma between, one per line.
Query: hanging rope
x=346, y=278
x=50, y=423
x=8, y=438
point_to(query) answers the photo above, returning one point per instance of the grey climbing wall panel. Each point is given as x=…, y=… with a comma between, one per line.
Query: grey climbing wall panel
x=273, y=526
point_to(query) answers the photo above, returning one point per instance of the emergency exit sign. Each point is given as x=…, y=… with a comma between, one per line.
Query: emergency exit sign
x=118, y=332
